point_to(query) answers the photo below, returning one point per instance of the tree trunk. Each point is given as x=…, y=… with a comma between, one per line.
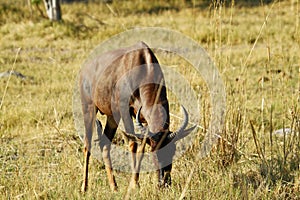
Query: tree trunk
x=53, y=9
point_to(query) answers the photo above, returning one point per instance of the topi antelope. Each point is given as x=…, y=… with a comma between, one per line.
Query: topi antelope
x=122, y=84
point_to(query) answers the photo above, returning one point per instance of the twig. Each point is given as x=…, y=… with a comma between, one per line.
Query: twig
x=257, y=38
x=97, y=20
x=258, y=147
x=111, y=10
x=11, y=71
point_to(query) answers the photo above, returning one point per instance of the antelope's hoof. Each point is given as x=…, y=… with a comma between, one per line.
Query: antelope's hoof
x=114, y=188
x=83, y=188
x=134, y=185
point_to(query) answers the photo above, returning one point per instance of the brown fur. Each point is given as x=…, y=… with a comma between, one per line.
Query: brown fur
x=117, y=84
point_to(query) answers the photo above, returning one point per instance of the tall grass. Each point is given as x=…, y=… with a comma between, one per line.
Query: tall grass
x=254, y=44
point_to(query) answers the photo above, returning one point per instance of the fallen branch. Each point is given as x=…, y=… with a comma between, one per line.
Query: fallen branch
x=13, y=72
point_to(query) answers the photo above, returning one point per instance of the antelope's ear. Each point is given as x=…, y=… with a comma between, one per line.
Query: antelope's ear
x=132, y=137
x=138, y=138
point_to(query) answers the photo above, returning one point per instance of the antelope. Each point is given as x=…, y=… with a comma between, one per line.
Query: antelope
x=124, y=84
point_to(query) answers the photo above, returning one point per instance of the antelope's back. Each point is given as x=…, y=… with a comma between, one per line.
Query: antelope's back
x=99, y=78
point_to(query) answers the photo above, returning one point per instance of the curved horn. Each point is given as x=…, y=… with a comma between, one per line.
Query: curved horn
x=138, y=123
x=183, y=125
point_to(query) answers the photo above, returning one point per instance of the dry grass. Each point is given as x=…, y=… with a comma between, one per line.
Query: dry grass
x=255, y=47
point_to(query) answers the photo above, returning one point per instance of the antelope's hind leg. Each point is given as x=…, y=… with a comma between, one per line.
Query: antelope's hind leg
x=105, y=144
x=89, y=113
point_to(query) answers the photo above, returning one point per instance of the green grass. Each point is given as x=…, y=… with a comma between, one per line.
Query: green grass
x=255, y=47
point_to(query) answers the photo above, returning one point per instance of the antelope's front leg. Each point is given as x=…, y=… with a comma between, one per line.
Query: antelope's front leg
x=135, y=175
x=137, y=160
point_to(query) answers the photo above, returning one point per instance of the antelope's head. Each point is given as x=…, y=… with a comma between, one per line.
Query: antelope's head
x=162, y=144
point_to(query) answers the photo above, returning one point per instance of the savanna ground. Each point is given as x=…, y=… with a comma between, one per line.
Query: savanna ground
x=255, y=46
